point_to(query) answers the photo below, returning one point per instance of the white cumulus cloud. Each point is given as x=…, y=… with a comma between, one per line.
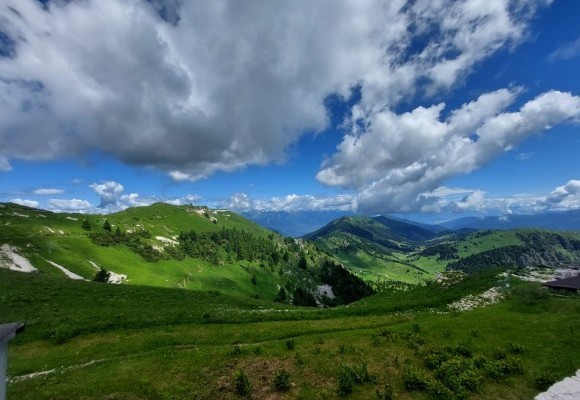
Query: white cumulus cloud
x=109, y=191
x=565, y=197
x=292, y=202
x=194, y=87
x=47, y=191
x=70, y=205
x=25, y=202
x=402, y=156
x=4, y=165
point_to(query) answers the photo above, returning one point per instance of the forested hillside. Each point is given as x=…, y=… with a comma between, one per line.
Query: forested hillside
x=177, y=246
x=385, y=251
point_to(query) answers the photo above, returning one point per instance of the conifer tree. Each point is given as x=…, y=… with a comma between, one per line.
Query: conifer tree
x=86, y=225
x=107, y=226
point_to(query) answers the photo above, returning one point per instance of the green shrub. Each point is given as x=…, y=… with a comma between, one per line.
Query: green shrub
x=515, y=348
x=480, y=361
x=459, y=374
x=545, y=380
x=236, y=350
x=345, y=381
x=290, y=344
x=102, y=275
x=61, y=334
x=386, y=333
x=438, y=391
x=502, y=368
x=499, y=354
x=434, y=358
x=298, y=359
x=348, y=376
x=387, y=393
x=415, y=380
x=415, y=341
x=362, y=375
x=282, y=381
x=242, y=384
x=462, y=350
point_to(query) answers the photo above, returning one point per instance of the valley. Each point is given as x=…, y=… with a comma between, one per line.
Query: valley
x=204, y=303
x=279, y=200
x=384, y=251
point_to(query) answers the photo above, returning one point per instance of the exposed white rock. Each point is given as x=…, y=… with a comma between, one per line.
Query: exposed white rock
x=20, y=215
x=325, y=290
x=566, y=389
x=116, y=279
x=94, y=264
x=165, y=240
x=68, y=273
x=470, y=302
x=10, y=259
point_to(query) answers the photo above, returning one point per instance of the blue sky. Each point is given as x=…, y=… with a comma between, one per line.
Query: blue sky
x=431, y=111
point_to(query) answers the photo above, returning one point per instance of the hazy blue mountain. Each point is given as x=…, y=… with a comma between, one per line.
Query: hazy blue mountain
x=381, y=233
x=391, y=220
x=295, y=223
x=564, y=220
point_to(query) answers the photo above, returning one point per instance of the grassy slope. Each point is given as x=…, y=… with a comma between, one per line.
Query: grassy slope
x=477, y=243
x=373, y=261
x=372, y=249
x=41, y=236
x=132, y=342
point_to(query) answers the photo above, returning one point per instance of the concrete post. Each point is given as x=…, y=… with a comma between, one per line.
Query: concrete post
x=3, y=367
x=7, y=333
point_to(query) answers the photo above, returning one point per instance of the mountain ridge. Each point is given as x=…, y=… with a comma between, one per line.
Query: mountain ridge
x=556, y=220
x=394, y=250
x=186, y=246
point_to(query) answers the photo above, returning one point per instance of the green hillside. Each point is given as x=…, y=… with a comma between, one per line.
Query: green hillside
x=86, y=340
x=175, y=246
x=205, y=311
x=383, y=250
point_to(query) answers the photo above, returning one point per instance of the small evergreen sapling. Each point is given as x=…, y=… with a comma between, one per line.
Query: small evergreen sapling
x=102, y=275
x=107, y=226
x=86, y=225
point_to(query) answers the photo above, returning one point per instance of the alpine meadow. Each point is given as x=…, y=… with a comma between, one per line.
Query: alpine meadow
x=307, y=199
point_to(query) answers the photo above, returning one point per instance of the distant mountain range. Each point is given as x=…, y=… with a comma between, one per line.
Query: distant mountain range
x=300, y=223
x=563, y=221
x=294, y=223
x=383, y=249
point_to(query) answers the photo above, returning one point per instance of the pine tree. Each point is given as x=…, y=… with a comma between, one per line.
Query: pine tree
x=86, y=225
x=302, y=263
x=107, y=226
x=102, y=276
x=281, y=296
